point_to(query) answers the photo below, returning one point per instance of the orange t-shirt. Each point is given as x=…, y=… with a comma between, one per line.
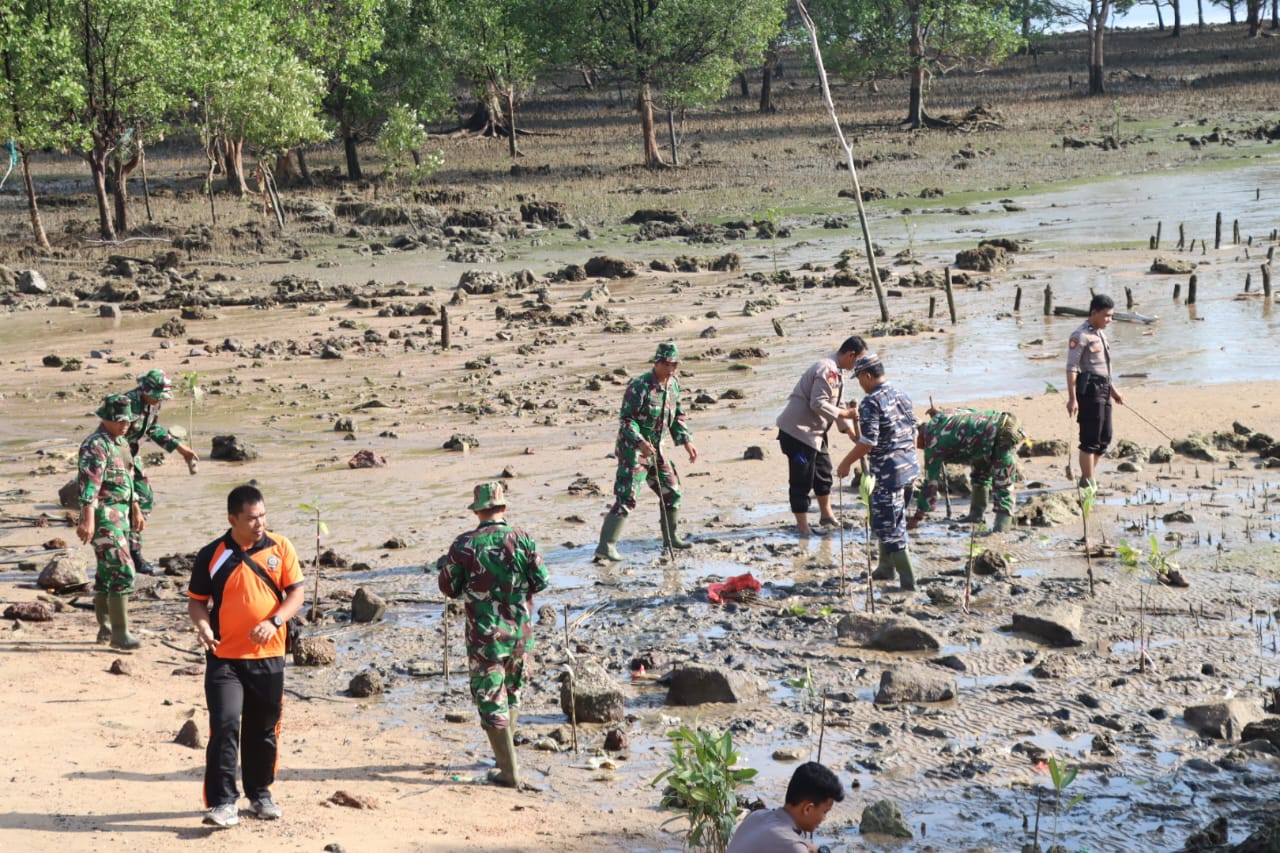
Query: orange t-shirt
x=240, y=597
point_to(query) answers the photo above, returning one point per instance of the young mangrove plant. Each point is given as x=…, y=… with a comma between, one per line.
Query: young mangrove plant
x=1088, y=493
x=701, y=784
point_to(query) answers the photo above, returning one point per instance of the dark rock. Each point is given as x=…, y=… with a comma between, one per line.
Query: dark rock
x=1055, y=623
x=109, y=311
x=1170, y=266
x=602, y=266
x=951, y=662
x=69, y=495
x=1265, y=839
x=1223, y=720
x=459, y=441
x=696, y=684
x=989, y=562
x=985, y=258
x=886, y=632
x=29, y=611
x=1044, y=447
x=884, y=818
x=367, y=606
x=120, y=666
x=547, y=615
x=352, y=801
x=1195, y=447
x=229, y=448
x=32, y=283
x=366, y=683
x=642, y=216
x=1053, y=666
x=1180, y=516
x=171, y=328
x=1267, y=729
x=1049, y=510
x=615, y=740
x=315, y=651
x=914, y=683
x=63, y=572
x=480, y=282
x=344, y=425
x=1160, y=455
x=595, y=697
x=367, y=459
x=1212, y=837
x=190, y=736
x=1104, y=745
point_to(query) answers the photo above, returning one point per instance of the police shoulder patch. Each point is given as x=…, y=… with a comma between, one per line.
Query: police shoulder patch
x=833, y=376
x=1074, y=343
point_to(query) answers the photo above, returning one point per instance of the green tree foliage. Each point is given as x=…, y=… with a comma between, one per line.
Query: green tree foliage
x=37, y=89
x=128, y=64
x=402, y=140
x=915, y=38
x=341, y=40
x=686, y=51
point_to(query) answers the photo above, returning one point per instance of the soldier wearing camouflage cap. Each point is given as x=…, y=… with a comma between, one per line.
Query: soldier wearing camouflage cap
x=650, y=409
x=153, y=388
x=497, y=570
x=108, y=511
x=889, y=442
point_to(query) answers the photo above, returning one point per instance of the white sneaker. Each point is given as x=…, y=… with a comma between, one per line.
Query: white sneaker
x=224, y=815
x=265, y=809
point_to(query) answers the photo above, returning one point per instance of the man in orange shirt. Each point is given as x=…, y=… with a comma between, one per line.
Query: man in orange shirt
x=245, y=586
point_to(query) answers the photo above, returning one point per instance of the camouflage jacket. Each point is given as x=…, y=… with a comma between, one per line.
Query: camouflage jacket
x=105, y=470
x=146, y=425
x=889, y=426
x=644, y=417
x=955, y=435
x=496, y=569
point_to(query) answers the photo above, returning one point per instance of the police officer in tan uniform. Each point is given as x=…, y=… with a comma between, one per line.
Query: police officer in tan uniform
x=1090, y=390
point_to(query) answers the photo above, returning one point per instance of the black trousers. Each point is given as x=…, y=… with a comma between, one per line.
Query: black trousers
x=244, y=699
x=808, y=470
x=1093, y=396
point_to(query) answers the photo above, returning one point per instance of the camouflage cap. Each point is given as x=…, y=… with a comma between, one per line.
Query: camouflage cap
x=117, y=408
x=867, y=362
x=488, y=496
x=666, y=352
x=156, y=385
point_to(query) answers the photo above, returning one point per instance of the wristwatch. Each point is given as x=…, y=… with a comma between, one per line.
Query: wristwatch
x=277, y=621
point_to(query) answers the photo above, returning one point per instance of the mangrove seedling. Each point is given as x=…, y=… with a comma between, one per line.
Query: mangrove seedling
x=322, y=529
x=867, y=485
x=191, y=389
x=700, y=785
x=1088, y=494
x=1062, y=776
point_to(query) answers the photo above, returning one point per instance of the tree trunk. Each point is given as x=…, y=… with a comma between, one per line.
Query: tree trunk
x=1159, y=14
x=353, y=156
x=304, y=172
x=671, y=135
x=1253, y=9
x=284, y=174
x=233, y=164
x=37, y=225
x=644, y=103
x=1176, y=5
x=511, y=122
x=1097, y=27
x=915, y=109
x=744, y=85
x=766, y=81
x=98, y=170
x=118, y=179
x=1200, y=13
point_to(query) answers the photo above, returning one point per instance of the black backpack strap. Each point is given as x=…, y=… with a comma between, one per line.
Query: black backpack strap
x=262, y=573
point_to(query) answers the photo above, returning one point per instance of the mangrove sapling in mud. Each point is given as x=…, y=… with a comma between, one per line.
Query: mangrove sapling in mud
x=1087, y=493
x=866, y=485
x=701, y=783
x=1062, y=776
x=322, y=529
x=192, y=390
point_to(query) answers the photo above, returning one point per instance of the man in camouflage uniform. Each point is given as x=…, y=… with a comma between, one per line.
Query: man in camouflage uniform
x=650, y=409
x=496, y=569
x=108, y=510
x=987, y=442
x=144, y=401
x=889, y=442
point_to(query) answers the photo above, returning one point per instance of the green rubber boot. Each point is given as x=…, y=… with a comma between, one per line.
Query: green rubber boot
x=118, y=608
x=671, y=530
x=901, y=561
x=1004, y=523
x=104, y=617
x=504, y=752
x=610, y=532
x=977, y=504
x=884, y=569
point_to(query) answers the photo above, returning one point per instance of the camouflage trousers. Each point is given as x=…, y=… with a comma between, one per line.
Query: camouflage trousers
x=999, y=471
x=111, y=534
x=145, y=497
x=632, y=471
x=495, y=686
x=889, y=516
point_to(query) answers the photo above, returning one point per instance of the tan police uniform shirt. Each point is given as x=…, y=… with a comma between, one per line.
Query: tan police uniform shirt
x=1088, y=352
